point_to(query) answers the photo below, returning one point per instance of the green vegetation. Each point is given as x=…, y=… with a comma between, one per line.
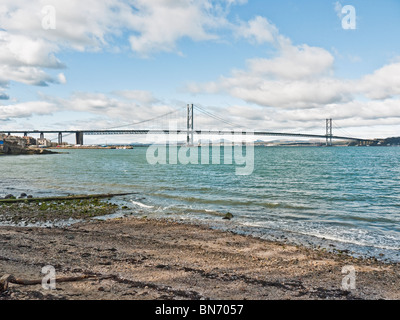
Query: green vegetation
x=42, y=211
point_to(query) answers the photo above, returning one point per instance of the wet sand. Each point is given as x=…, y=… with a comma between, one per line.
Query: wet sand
x=145, y=259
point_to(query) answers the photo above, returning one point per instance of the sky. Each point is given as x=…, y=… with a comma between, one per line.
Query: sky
x=282, y=66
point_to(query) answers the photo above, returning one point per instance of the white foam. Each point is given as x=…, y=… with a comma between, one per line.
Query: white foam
x=141, y=204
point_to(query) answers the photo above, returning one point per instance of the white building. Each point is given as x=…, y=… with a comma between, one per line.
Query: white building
x=43, y=142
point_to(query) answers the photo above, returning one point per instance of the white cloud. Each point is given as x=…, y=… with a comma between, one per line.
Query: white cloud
x=21, y=50
x=144, y=97
x=383, y=83
x=289, y=94
x=61, y=78
x=26, y=109
x=25, y=74
x=26, y=48
x=299, y=77
x=4, y=96
x=258, y=30
x=294, y=62
x=162, y=23
x=104, y=105
x=299, y=89
x=338, y=9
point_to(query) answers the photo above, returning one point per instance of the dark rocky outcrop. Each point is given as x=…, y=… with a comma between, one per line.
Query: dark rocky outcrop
x=12, y=148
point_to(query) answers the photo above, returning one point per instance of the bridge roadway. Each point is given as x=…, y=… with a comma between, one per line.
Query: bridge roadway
x=79, y=133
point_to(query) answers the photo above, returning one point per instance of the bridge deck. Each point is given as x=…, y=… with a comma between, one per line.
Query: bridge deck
x=199, y=132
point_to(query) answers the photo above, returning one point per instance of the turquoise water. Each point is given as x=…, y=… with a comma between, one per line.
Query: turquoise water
x=341, y=197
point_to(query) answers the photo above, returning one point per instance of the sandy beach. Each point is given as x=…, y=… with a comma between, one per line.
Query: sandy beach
x=146, y=259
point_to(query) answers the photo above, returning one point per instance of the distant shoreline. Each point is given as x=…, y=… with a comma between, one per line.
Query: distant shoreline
x=89, y=147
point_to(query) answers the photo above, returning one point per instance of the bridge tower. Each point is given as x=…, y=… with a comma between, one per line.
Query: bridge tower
x=79, y=137
x=60, y=138
x=329, y=132
x=189, y=137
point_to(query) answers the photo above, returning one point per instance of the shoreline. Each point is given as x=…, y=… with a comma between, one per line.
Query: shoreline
x=29, y=211
x=151, y=259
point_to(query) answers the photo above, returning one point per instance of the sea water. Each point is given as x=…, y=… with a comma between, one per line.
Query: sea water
x=347, y=198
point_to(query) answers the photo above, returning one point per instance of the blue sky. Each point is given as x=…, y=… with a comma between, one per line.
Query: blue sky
x=277, y=65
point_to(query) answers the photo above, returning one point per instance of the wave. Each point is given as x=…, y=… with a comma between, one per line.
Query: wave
x=232, y=202
x=141, y=204
x=360, y=238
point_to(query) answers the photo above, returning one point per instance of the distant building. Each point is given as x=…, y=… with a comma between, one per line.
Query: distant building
x=30, y=141
x=43, y=142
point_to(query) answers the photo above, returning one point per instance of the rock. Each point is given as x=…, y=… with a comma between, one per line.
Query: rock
x=23, y=195
x=9, y=196
x=30, y=196
x=228, y=216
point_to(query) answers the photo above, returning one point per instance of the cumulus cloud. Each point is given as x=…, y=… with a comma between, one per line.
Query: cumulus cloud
x=25, y=74
x=26, y=109
x=4, y=96
x=142, y=96
x=297, y=76
x=258, y=30
x=61, y=78
x=119, y=108
x=28, y=46
x=352, y=114
x=297, y=82
x=294, y=62
x=383, y=83
x=162, y=23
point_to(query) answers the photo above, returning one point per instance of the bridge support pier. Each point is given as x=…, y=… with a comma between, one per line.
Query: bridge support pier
x=79, y=137
x=41, y=136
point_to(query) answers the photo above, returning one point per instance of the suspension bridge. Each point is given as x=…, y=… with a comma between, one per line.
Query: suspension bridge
x=188, y=130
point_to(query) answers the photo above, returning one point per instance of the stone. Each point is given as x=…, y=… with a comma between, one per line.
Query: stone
x=228, y=216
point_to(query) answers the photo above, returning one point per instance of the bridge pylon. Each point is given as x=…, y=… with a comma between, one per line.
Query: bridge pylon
x=329, y=132
x=79, y=137
x=190, y=128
